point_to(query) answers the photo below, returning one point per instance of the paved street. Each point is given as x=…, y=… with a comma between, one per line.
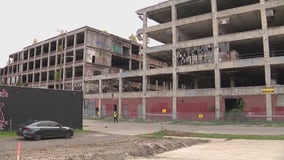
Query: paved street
x=131, y=128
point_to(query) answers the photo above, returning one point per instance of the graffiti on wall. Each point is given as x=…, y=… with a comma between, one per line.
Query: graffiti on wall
x=3, y=122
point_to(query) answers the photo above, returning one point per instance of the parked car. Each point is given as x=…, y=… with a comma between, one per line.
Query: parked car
x=38, y=130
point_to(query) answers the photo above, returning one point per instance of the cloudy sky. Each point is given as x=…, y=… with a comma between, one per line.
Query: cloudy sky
x=24, y=20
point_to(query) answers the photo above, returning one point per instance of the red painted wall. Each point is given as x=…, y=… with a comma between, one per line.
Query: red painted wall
x=190, y=108
x=154, y=107
x=132, y=107
x=255, y=104
x=109, y=105
x=277, y=111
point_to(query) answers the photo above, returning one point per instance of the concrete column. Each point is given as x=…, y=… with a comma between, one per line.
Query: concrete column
x=195, y=83
x=120, y=85
x=100, y=106
x=174, y=61
x=84, y=61
x=215, y=28
x=232, y=81
x=144, y=52
x=130, y=60
x=266, y=60
x=130, y=64
x=73, y=63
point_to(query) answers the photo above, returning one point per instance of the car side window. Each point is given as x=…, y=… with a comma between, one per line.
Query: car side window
x=43, y=124
x=54, y=124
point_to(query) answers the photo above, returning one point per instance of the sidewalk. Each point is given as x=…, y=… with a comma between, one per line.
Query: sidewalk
x=216, y=149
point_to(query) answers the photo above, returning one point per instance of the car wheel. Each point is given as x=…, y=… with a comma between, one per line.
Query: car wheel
x=37, y=136
x=67, y=134
x=27, y=138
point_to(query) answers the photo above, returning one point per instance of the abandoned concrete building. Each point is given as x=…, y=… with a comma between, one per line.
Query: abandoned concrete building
x=213, y=57
x=217, y=56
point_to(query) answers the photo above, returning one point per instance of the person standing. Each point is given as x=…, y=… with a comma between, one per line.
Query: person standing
x=115, y=117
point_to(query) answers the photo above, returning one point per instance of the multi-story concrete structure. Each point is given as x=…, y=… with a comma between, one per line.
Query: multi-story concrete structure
x=216, y=55
x=85, y=52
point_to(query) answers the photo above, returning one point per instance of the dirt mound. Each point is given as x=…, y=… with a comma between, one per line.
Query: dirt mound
x=118, y=149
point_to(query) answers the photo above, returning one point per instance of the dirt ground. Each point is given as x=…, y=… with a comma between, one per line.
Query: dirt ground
x=117, y=148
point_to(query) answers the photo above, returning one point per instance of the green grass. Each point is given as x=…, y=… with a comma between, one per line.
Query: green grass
x=224, y=122
x=4, y=134
x=80, y=131
x=164, y=133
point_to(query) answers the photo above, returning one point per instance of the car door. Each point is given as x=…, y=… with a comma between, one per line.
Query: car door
x=57, y=130
x=44, y=128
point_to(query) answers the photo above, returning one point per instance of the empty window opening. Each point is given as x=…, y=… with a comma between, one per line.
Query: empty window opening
x=30, y=78
x=126, y=51
x=132, y=84
x=228, y=4
x=26, y=54
x=79, y=55
x=46, y=48
x=92, y=87
x=275, y=16
x=135, y=49
x=38, y=51
x=31, y=65
x=276, y=46
x=80, y=38
x=277, y=75
x=44, y=76
x=37, y=64
x=15, y=69
x=159, y=37
x=240, y=23
x=69, y=72
x=32, y=52
x=243, y=77
x=136, y=65
x=160, y=59
x=119, y=62
x=25, y=66
x=70, y=41
x=159, y=16
x=24, y=79
x=79, y=71
x=51, y=75
x=53, y=46
x=44, y=62
x=193, y=8
x=110, y=85
x=36, y=77
x=52, y=61
x=159, y=82
x=198, y=30
x=243, y=49
x=196, y=80
x=195, y=55
x=61, y=45
x=60, y=59
x=69, y=57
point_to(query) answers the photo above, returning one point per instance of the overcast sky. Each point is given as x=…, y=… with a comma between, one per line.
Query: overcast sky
x=24, y=20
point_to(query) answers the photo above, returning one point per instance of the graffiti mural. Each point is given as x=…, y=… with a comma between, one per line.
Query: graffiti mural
x=3, y=123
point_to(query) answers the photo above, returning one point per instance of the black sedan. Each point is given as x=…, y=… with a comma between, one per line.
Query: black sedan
x=38, y=130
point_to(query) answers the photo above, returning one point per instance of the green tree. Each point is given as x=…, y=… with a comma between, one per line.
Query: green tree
x=56, y=76
x=132, y=38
